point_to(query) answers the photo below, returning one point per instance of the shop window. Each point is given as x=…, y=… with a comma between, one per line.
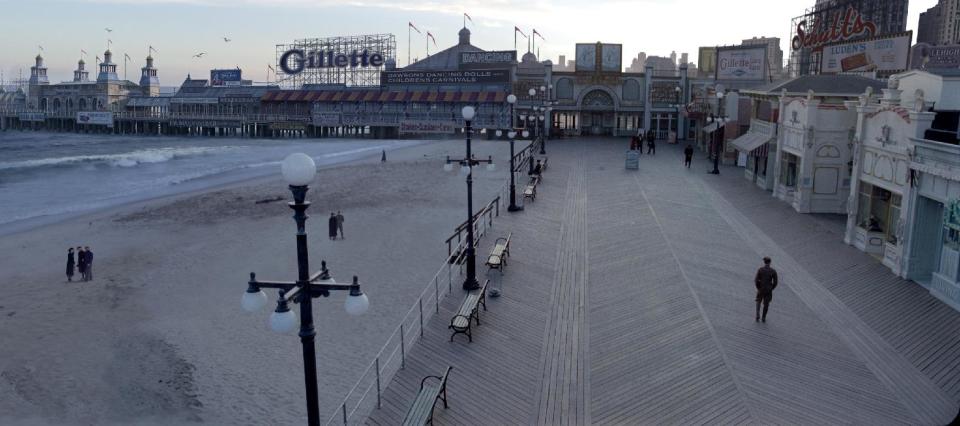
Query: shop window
x=788, y=170
x=879, y=211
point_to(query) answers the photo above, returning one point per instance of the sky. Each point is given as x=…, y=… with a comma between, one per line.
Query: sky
x=179, y=29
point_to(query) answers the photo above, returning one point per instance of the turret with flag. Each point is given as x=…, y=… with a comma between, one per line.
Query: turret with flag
x=430, y=38
x=410, y=26
x=466, y=18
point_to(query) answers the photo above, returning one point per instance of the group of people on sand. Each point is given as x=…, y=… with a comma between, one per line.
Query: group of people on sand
x=82, y=260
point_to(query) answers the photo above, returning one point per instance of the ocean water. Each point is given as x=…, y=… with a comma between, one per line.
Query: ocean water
x=46, y=177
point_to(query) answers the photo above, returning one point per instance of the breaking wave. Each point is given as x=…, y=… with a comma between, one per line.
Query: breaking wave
x=128, y=159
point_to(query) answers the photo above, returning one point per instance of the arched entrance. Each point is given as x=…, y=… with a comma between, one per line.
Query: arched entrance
x=597, y=109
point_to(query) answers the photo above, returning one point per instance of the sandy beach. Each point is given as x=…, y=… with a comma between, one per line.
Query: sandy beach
x=158, y=337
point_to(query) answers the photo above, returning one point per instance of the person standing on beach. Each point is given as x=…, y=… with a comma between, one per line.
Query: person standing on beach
x=70, y=263
x=81, y=263
x=332, y=226
x=687, y=155
x=766, y=280
x=340, y=224
x=88, y=254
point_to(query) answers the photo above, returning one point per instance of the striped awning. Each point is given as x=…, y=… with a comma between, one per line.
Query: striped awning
x=381, y=96
x=750, y=141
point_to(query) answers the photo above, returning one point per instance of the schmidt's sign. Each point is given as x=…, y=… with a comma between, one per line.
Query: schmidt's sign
x=844, y=26
x=294, y=61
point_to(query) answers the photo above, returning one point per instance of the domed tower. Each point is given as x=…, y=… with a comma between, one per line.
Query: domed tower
x=38, y=72
x=81, y=74
x=464, y=36
x=108, y=70
x=149, y=83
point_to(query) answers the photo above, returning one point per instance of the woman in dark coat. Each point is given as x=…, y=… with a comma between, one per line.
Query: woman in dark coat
x=332, y=226
x=81, y=262
x=70, y=263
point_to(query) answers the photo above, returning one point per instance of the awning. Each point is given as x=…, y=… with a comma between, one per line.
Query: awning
x=710, y=128
x=750, y=141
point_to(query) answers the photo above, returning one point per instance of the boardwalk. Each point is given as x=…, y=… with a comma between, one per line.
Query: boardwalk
x=628, y=300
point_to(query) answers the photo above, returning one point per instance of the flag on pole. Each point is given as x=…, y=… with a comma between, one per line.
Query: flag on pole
x=517, y=30
x=41, y=47
x=410, y=24
x=468, y=18
x=270, y=67
x=430, y=36
x=151, y=50
x=535, y=33
x=126, y=56
x=83, y=52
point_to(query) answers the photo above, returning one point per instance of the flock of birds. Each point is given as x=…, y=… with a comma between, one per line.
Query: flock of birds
x=198, y=55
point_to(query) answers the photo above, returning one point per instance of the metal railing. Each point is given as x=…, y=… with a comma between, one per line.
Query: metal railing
x=393, y=355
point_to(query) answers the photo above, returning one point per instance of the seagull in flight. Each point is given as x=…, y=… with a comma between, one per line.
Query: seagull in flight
x=199, y=55
x=226, y=40
x=109, y=30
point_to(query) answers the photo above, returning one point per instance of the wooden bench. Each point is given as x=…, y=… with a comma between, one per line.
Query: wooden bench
x=421, y=412
x=498, y=255
x=469, y=310
x=531, y=190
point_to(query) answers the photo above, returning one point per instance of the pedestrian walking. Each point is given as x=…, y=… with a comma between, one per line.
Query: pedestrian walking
x=641, y=138
x=332, y=226
x=687, y=155
x=81, y=263
x=340, y=224
x=766, y=280
x=88, y=255
x=70, y=264
x=651, y=146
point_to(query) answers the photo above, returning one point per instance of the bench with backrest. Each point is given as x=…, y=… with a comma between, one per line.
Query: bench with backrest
x=530, y=191
x=499, y=253
x=469, y=310
x=421, y=412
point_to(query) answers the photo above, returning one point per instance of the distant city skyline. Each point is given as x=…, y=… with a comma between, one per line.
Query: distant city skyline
x=180, y=29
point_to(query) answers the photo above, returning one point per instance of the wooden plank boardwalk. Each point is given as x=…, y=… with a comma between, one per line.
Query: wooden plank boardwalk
x=628, y=299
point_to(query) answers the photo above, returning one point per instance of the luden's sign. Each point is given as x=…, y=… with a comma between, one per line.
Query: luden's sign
x=295, y=61
x=851, y=25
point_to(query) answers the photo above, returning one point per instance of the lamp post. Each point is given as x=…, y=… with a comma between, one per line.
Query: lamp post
x=540, y=124
x=721, y=120
x=512, y=133
x=299, y=170
x=466, y=168
x=679, y=98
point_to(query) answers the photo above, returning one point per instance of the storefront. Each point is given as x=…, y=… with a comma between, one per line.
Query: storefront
x=756, y=145
x=876, y=221
x=934, y=255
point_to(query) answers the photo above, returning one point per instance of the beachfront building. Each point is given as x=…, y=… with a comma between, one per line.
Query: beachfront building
x=800, y=141
x=882, y=181
x=81, y=104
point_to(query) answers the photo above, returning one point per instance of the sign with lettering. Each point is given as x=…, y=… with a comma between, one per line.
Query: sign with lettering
x=326, y=118
x=496, y=58
x=925, y=56
x=844, y=26
x=287, y=126
x=225, y=77
x=886, y=54
x=295, y=61
x=95, y=117
x=427, y=127
x=32, y=116
x=742, y=63
x=664, y=92
x=445, y=77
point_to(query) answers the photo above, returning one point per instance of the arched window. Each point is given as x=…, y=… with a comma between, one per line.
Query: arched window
x=56, y=104
x=43, y=104
x=631, y=90
x=82, y=105
x=565, y=88
x=597, y=99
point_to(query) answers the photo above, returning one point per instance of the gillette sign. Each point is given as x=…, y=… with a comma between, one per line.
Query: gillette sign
x=294, y=61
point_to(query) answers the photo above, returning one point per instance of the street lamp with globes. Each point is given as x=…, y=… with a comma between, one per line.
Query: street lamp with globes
x=512, y=133
x=466, y=169
x=299, y=171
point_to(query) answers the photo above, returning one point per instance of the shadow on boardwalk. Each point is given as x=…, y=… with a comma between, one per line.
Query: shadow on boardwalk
x=629, y=299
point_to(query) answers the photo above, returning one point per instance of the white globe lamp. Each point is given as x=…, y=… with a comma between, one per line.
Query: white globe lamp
x=468, y=113
x=253, y=301
x=298, y=169
x=283, y=321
